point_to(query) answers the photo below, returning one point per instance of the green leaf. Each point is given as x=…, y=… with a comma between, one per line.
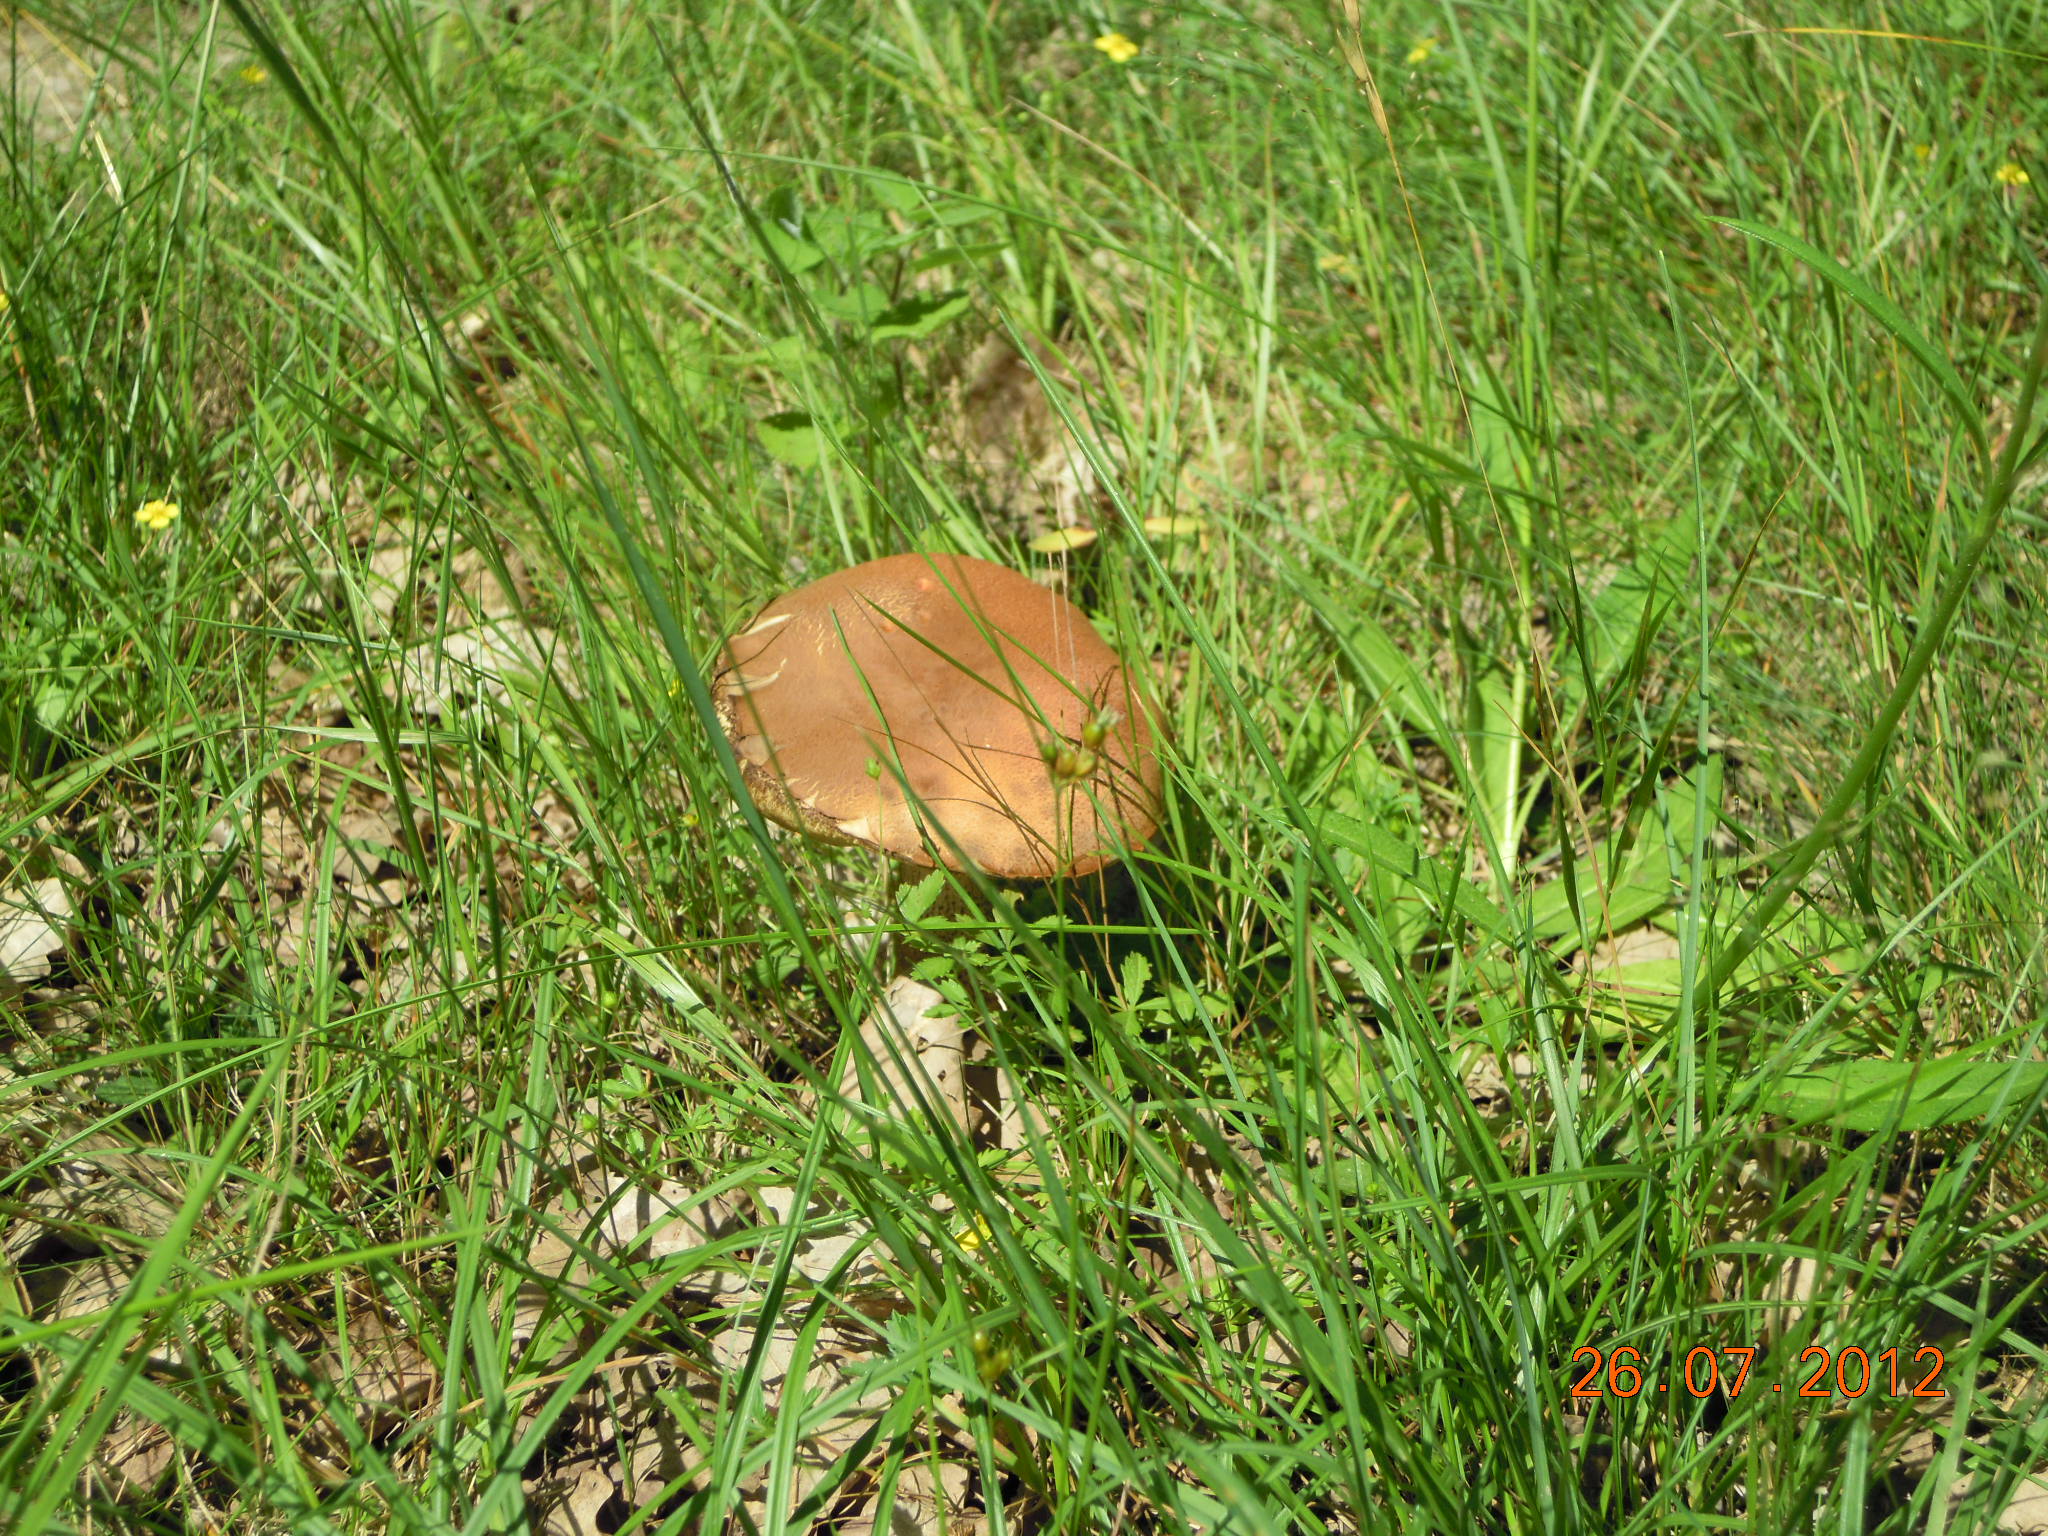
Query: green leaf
x=127, y=1088
x=1497, y=438
x=1493, y=732
x=785, y=352
x=892, y=191
x=1881, y=309
x=57, y=700
x=792, y=438
x=862, y=304
x=978, y=251
x=1443, y=887
x=1384, y=668
x=953, y=214
x=1135, y=972
x=1650, y=878
x=782, y=225
x=918, y=900
x=797, y=255
x=913, y=318
x=881, y=402
x=1617, y=627
x=785, y=207
x=853, y=237
x=1873, y=1096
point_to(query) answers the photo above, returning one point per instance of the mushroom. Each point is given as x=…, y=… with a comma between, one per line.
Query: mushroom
x=945, y=710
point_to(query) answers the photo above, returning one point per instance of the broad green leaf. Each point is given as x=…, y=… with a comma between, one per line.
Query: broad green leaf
x=786, y=352
x=852, y=237
x=784, y=208
x=954, y=213
x=1384, y=668
x=978, y=251
x=892, y=191
x=1642, y=891
x=860, y=304
x=1622, y=619
x=782, y=224
x=917, y=317
x=1443, y=887
x=1883, y=310
x=1497, y=441
x=1644, y=963
x=1648, y=879
x=1641, y=971
x=1494, y=730
x=691, y=384
x=878, y=404
x=797, y=255
x=791, y=437
x=57, y=700
x=1873, y=1096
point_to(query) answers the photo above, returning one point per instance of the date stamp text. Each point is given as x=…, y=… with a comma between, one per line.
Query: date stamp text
x=1849, y=1372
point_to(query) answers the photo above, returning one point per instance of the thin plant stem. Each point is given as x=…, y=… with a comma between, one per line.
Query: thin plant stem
x=1827, y=831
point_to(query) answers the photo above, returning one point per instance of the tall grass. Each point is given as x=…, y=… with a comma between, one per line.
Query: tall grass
x=1599, y=903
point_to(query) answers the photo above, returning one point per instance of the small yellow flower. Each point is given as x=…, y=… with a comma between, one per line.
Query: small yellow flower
x=1337, y=264
x=1420, y=53
x=1923, y=152
x=974, y=1235
x=1121, y=49
x=156, y=516
x=254, y=74
x=2011, y=174
x=5, y=303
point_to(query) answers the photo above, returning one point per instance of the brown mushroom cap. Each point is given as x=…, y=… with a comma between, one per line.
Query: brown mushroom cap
x=935, y=706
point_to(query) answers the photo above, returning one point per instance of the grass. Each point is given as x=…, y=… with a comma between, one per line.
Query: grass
x=1600, y=901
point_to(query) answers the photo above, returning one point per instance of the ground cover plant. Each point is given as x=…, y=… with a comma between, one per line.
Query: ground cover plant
x=1570, y=1059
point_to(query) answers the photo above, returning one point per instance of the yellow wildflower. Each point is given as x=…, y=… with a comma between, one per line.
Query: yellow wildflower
x=1420, y=53
x=2011, y=174
x=1923, y=152
x=156, y=516
x=254, y=74
x=1121, y=49
x=5, y=303
x=1337, y=264
x=973, y=1236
